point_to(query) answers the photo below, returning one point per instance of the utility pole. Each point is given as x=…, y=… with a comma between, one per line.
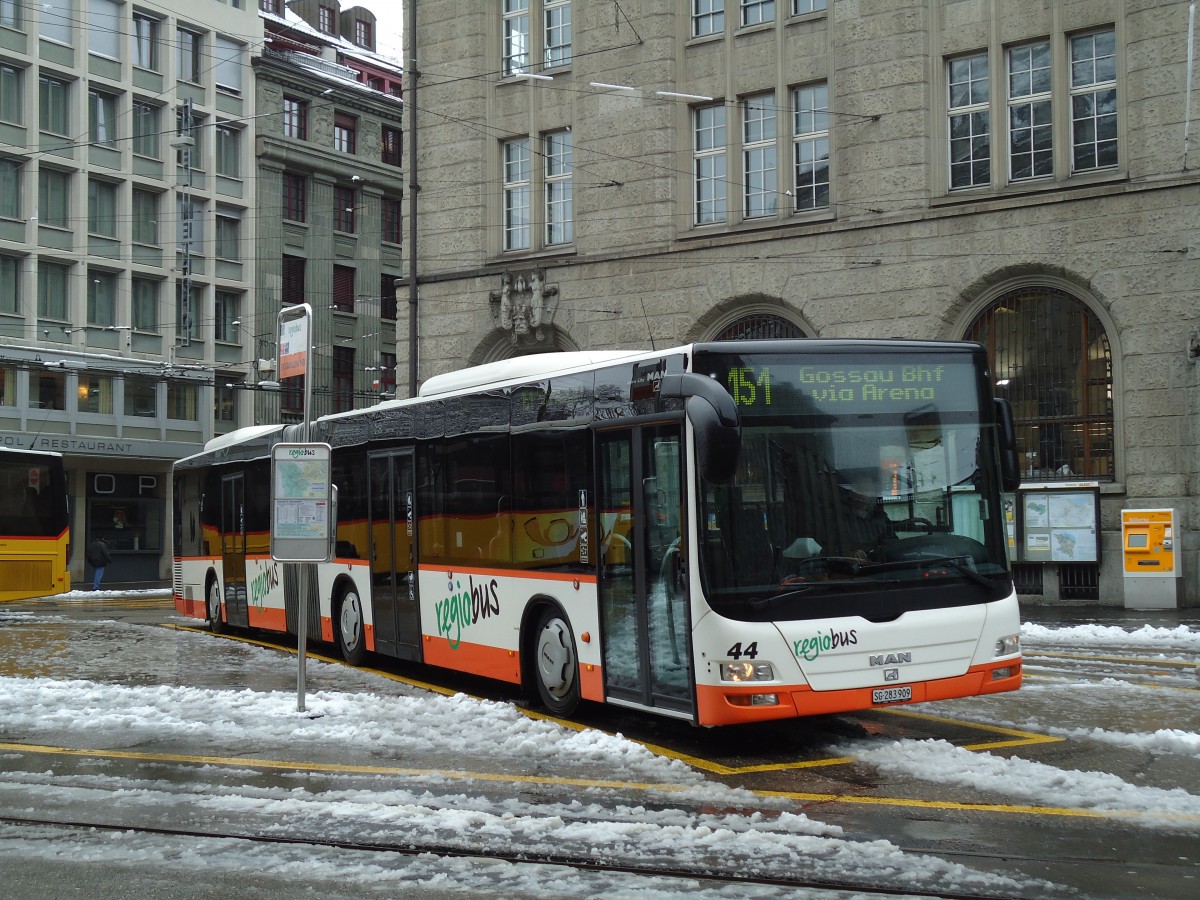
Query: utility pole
x=410, y=112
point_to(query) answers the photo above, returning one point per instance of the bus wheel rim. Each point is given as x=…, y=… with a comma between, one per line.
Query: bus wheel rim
x=556, y=658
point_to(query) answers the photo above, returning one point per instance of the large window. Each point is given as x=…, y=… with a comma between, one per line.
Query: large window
x=514, y=52
x=228, y=64
x=293, y=280
x=517, y=191
x=10, y=13
x=755, y=12
x=11, y=94
x=708, y=17
x=229, y=223
x=759, y=165
x=10, y=284
x=183, y=401
x=52, y=290
x=345, y=202
x=190, y=63
x=970, y=121
x=102, y=117
x=102, y=208
x=294, y=191
x=144, y=303
x=226, y=309
x=800, y=7
x=343, y=288
x=557, y=154
x=228, y=151
x=54, y=191
x=1031, y=108
x=105, y=28
x=343, y=379
x=557, y=49
x=145, y=42
x=1030, y=120
x=1050, y=357
x=810, y=139
x=392, y=146
x=101, y=298
x=390, y=221
x=146, y=127
x=10, y=189
x=144, y=227
x=53, y=108
x=295, y=118
x=141, y=397
x=344, y=133
x=708, y=156
x=1093, y=101
x=57, y=20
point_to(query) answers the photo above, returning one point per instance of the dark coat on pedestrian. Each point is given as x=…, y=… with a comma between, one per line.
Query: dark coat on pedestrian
x=97, y=553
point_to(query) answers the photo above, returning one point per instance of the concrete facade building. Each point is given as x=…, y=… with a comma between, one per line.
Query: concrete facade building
x=142, y=159
x=1020, y=173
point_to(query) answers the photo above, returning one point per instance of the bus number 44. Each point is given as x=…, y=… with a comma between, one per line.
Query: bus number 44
x=737, y=651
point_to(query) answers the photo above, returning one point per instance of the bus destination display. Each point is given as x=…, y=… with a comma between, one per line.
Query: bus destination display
x=844, y=386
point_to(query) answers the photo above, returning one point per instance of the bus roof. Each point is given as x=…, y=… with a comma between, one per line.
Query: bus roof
x=535, y=365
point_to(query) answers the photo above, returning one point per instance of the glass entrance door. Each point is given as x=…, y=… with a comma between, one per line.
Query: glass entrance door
x=393, y=555
x=643, y=567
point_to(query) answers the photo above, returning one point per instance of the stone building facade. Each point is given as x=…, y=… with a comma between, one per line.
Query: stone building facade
x=1021, y=173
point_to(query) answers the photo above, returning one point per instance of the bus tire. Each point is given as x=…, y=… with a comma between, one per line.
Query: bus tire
x=556, y=664
x=351, y=631
x=213, y=607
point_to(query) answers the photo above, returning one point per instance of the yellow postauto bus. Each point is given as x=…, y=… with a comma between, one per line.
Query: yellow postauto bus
x=35, y=541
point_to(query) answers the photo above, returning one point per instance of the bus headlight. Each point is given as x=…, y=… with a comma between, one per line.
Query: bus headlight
x=1008, y=645
x=747, y=671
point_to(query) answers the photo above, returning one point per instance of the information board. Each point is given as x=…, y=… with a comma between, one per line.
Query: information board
x=301, y=503
x=1059, y=522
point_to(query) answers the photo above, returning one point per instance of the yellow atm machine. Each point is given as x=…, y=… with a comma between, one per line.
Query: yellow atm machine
x=1151, y=559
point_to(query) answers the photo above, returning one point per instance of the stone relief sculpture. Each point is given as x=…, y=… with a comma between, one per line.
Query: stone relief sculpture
x=524, y=306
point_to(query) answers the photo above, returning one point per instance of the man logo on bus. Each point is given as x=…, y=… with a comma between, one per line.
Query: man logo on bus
x=464, y=608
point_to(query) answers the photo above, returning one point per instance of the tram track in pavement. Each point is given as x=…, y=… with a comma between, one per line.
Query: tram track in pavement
x=576, y=862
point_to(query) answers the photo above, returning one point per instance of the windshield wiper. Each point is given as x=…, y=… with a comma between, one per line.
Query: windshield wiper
x=960, y=564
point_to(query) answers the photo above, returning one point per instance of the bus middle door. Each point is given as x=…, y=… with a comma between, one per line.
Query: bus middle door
x=233, y=548
x=393, y=555
x=643, y=586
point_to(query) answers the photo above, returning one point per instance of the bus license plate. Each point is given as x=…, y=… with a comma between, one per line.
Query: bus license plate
x=891, y=695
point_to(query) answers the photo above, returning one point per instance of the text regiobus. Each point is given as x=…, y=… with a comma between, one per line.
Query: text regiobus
x=724, y=532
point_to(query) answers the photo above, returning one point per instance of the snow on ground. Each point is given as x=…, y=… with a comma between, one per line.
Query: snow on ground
x=673, y=820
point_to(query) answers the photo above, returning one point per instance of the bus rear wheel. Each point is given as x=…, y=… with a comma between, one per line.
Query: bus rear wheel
x=350, y=629
x=556, y=664
x=215, y=625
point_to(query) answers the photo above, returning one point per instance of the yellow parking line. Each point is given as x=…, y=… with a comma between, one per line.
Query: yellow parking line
x=1120, y=659
x=552, y=780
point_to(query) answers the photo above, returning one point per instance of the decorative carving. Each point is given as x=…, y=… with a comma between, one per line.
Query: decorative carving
x=524, y=306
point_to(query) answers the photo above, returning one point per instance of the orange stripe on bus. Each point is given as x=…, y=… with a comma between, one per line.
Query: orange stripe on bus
x=450, y=569
x=717, y=704
x=474, y=659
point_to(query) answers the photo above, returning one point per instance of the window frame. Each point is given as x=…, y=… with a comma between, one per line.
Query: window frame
x=12, y=86
x=54, y=104
x=143, y=303
x=295, y=197
x=342, y=288
x=146, y=130
x=706, y=153
x=517, y=178
x=558, y=167
x=515, y=56
x=226, y=311
x=53, y=299
x=557, y=33
x=145, y=208
x=228, y=150
x=1037, y=102
x=143, y=36
x=1093, y=88
x=811, y=133
x=391, y=220
x=102, y=207
x=760, y=156
x=295, y=118
x=101, y=298
x=54, y=198
x=345, y=133
x=189, y=50
x=708, y=18
x=756, y=12
x=974, y=109
x=227, y=244
x=345, y=209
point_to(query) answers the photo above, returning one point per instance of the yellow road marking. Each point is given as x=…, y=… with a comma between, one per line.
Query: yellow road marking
x=496, y=777
x=1120, y=659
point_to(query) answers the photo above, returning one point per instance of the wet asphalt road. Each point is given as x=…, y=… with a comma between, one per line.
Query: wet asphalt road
x=125, y=642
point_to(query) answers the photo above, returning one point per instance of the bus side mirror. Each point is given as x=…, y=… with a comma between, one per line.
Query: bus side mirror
x=715, y=423
x=1010, y=461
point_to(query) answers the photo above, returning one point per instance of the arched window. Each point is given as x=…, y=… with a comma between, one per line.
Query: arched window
x=757, y=327
x=1051, y=359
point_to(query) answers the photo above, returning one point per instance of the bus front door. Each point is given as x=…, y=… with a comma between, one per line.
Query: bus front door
x=393, y=555
x=643, y=583
x=233, y=548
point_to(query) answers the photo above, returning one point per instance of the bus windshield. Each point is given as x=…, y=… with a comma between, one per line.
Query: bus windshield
x=865, y=486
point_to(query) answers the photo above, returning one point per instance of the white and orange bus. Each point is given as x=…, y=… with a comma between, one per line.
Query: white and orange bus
x=35, y=541
x=724, y=532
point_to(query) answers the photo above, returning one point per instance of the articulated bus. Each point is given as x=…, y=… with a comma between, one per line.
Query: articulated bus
x=722, y=533
x=35, y=541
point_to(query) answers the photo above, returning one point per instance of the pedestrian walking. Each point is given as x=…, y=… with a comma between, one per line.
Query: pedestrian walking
x=99, y=558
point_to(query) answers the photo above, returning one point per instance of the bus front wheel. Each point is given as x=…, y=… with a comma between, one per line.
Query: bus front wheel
x=350, y=629
x=214, y=608
x=557, y=664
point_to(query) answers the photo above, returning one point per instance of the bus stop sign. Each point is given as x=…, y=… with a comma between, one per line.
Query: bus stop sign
x=301, y=503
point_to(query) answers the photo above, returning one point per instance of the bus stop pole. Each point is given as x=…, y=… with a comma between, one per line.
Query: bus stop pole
x=304, y=569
